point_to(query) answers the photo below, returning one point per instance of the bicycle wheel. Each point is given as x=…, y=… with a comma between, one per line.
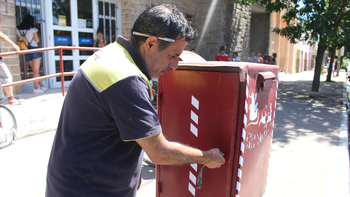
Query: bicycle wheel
x=8, y=126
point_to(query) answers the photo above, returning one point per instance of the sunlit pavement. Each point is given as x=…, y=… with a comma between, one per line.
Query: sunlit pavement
x=306, y=157
x=23, y=168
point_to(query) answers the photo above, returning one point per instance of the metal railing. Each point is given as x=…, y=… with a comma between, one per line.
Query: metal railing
x=60, y=74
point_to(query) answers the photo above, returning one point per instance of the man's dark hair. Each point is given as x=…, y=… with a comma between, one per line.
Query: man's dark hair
x=235, y=53
x=222, y=48
x=163, y=21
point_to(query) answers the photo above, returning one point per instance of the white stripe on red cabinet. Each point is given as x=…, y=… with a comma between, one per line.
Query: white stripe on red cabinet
x=194, y=131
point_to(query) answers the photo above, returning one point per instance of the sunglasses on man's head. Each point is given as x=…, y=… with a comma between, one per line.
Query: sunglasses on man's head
x=146, y=35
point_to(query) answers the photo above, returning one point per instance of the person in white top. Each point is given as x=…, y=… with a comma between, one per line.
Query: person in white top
x=5, y=75
x=235, y=57
x=27, y=29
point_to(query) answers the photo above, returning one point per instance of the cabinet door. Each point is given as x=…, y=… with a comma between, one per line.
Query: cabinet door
x=257, y=130
x=198, y=109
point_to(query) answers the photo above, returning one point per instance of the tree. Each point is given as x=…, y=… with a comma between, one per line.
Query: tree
x=325, y=22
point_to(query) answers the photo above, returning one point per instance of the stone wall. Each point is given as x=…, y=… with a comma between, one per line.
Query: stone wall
x=212, y=36
x=260, y=28
x=196, y=9
x=229, y=25
x=8, y=27
x=238, y=30
x=132, y=9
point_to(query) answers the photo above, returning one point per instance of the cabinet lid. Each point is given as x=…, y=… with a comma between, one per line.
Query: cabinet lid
x=193, y=61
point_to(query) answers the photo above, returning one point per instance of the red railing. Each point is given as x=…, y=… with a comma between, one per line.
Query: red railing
x=61, y=74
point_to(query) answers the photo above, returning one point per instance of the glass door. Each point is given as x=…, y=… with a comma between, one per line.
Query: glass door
x=75, y=23
x=108, y=19
x=72, y=25
x=32, y=7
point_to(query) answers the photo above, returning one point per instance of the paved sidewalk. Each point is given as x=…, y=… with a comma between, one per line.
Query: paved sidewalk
x=39, y=113
x=308, y=156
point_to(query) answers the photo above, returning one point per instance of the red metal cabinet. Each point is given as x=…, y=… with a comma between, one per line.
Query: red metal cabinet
x=230, y=106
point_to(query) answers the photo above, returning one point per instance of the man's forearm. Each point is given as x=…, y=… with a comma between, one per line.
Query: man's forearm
x=163, y=152
x=177, y=154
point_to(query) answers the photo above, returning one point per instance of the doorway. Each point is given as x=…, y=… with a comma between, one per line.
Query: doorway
x=74, y=23
x=23, y=8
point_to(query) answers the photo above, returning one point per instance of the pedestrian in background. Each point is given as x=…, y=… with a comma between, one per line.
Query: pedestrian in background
x=267, y=57
x=222, y=56
x=100, y=41
x=27, y=29
x=258, y=54
x=5, y=75
x=108, y=116
x=253, y=58
x=274, y=59
x=235, y=57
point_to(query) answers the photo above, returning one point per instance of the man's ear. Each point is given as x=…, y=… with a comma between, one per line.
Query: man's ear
x=150, y=43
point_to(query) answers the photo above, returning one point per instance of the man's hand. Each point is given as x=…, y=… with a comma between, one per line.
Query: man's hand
x=217, y=159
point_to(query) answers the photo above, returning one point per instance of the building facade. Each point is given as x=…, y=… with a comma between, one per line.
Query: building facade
x=291, y=58
x=75, y=22
x=7, y=26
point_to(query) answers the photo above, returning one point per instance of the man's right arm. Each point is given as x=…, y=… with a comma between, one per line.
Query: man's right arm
x=163, y=152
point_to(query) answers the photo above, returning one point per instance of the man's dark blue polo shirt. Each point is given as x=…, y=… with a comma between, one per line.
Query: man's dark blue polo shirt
x=107, y=107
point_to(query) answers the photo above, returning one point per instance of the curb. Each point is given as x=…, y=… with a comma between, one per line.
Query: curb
x=339, y=181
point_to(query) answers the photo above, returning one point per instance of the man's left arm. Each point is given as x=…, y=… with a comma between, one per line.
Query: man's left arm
x=7, y=40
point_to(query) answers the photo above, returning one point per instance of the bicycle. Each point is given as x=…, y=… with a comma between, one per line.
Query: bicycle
x=8, y=124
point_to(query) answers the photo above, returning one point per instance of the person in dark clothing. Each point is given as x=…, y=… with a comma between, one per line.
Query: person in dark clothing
x=274, y=59
x=100, y=41
x=267, y=58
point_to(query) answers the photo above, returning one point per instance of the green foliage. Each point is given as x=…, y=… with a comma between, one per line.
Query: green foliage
x=326, y=22
x=346, y=63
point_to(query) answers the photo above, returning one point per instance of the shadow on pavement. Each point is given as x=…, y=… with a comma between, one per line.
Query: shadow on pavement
x=298, y=115
x=148, y=172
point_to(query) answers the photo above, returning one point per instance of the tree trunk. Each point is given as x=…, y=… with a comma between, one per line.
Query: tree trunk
x=330, y=68
x=339, y=65
x=316, y=82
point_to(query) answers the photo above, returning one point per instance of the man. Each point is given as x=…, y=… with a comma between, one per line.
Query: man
x=253, y=58
x=222, y=56
x=108, y=118
x=235, y=57
x=267, y=57
x=5, y=75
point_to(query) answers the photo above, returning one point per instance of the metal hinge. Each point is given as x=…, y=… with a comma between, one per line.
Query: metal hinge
x=159, y=187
